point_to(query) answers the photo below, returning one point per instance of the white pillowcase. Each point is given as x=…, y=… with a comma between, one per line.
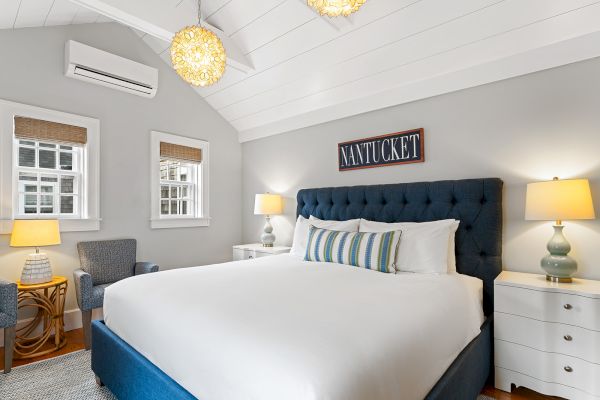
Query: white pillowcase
x=303, y=226
x=425, y=247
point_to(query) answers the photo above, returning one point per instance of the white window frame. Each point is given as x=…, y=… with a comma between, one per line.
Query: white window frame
x=89, y=220
x=201, y=195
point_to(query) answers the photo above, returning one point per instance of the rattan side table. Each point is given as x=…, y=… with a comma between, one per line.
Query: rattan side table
x=48, y=301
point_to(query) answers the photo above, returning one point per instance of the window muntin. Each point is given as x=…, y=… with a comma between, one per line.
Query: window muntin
x=48, y=179
x=178, y=189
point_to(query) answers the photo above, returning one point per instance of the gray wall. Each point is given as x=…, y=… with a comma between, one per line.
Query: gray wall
x=31, y=72
x=524, y=129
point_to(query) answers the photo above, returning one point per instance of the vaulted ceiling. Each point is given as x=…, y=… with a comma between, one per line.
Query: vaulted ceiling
x=291, y=68
x=32, y=13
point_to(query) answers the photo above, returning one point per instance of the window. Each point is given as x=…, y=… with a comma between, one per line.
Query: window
x=177, y=188
x=49, y=167
x=179, y=167
x=48, y=178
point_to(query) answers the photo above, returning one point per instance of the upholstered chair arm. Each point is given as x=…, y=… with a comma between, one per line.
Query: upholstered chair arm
x=8, y=303
x=83, y=289
x=145, y=267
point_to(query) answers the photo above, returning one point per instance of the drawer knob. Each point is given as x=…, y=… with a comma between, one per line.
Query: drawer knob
x=568, y=338
x=568, y=369
x=568, y=306
x=250, y=257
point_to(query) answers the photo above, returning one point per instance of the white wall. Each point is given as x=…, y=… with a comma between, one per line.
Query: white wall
x=31, y=72
x=524, y=129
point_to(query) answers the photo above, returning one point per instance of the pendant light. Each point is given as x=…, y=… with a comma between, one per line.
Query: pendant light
x=335, y=8
x=197, y=54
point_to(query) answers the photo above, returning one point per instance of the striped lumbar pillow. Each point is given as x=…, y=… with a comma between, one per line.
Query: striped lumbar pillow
x=370, y=250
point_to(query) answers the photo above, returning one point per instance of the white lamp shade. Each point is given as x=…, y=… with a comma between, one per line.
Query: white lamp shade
x=567, y=199
x=268, y=204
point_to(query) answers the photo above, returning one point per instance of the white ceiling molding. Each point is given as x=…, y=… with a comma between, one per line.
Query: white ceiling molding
x=162, y=19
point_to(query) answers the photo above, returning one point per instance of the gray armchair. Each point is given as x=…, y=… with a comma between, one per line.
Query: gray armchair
x=8, y=319
x=102, y=263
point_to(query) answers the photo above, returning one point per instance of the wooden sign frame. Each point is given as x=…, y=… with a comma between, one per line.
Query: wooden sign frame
x=356, y=154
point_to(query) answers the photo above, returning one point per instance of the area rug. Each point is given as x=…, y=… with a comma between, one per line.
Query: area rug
x=67, y=377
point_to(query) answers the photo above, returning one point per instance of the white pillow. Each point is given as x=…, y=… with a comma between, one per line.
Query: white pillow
x=426, y=247
x=303, y=225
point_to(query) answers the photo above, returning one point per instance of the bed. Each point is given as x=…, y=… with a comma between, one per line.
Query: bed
x=278, y=327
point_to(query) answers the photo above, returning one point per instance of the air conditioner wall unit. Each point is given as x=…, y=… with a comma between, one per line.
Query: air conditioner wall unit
x=102, y=68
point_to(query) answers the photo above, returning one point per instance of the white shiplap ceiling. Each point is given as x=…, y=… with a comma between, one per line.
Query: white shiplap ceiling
x=307, y=69
x=31, y=13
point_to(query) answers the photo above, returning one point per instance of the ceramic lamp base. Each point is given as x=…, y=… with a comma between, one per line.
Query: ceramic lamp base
x=558, y=265
x=36, y=270
x=267, y=238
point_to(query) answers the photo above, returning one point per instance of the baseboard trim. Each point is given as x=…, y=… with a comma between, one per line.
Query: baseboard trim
x=72, y=321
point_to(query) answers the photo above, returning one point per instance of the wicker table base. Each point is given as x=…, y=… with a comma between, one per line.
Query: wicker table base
x=48, y=300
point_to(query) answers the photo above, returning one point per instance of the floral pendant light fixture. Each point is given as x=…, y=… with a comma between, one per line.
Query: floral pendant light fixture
x=197, y=54
x=335, y=8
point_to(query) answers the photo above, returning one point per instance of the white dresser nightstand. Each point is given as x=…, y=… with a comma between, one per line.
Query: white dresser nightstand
x=256, y=250
x=547, y=335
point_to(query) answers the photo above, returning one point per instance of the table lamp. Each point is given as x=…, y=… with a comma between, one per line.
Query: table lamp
x=559, y=200
x=35, y=233
x=268, y=204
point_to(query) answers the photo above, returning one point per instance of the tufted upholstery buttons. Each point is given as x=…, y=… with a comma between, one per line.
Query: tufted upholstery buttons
x=480, y=211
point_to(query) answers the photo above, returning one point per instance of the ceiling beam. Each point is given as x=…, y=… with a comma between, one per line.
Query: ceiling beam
x=162, y=19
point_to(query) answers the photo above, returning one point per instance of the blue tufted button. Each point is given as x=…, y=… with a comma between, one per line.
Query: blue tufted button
x=453, y=201
x=483, y=200
x=428, y=201
x=468, y=227
x=482, y=254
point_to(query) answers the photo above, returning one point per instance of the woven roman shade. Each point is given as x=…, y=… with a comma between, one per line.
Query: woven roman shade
x=37, y=129
x=180, y=152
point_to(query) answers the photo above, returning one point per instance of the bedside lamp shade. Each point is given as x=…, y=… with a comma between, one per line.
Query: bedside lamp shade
x=35, y=233
x=559, y=200
x=268, y=204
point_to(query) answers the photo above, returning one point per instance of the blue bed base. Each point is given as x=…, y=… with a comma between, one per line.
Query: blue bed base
x=476, y=203
x=130, y=376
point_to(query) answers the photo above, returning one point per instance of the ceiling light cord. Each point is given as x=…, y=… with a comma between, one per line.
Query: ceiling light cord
x=200, y=13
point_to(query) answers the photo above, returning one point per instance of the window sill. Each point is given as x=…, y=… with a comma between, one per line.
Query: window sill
x=166, y=223
x=66, y=225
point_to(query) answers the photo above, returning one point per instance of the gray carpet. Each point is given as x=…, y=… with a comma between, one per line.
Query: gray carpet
x=67, y=377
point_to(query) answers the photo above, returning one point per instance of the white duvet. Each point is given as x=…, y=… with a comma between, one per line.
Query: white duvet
x=283, y=329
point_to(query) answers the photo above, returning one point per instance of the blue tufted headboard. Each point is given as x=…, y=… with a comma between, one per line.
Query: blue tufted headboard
x=477, y=203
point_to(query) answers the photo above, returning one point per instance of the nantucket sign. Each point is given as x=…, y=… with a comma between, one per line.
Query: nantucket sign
x=379, y=151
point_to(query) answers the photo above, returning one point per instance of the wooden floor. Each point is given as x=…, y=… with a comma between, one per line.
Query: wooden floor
x=75, y=342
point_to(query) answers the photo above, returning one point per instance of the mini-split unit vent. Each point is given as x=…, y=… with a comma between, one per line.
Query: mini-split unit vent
x=96, y=66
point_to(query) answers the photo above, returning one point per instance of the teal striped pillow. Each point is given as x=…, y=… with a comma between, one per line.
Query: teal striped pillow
x=370, y=250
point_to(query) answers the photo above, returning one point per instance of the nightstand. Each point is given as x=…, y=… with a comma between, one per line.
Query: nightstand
x=256, y=250
x=547, y=335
